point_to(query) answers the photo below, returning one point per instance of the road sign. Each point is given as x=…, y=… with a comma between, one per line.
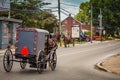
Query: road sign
x=100, y=28
x=75, y=32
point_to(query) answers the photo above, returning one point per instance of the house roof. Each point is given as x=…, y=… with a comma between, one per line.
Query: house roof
x=72, y=18
x=10, y=19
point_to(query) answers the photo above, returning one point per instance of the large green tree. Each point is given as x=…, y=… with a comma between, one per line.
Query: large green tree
x=48, y=21
x=83, y=14
x=30, y=12
x=110, y=14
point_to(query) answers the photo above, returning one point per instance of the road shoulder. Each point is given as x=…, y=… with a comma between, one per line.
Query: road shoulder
x=111, y=64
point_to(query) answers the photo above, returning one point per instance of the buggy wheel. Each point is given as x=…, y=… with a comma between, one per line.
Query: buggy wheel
x=23, y=63
x=53, y=61
x=40, y=67
x=8, y=60
x=40, y=63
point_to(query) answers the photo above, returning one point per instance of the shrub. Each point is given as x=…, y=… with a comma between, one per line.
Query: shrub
x=99, y=39
x=118, y=36
x=110, y=38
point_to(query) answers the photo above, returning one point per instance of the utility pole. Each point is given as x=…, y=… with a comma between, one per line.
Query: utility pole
x=91, y=22
x=9, y=13
x=100, y=24
x=59, y=14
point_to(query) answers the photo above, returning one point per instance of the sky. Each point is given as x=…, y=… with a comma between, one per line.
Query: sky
x=67, y=6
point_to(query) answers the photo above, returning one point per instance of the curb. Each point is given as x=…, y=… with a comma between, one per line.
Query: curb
x=2, y=53
x=99, y=66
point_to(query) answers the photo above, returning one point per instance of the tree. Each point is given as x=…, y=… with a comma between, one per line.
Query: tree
x=30, y=12
x=48, y=21
x=83, y=15
x=110, y=13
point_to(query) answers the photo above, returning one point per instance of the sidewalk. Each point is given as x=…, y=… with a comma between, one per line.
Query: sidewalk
x=111, y=64
x=2, y=51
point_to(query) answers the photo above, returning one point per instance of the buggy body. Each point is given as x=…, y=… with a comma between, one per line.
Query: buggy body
x=29, y=42
x=30, y=48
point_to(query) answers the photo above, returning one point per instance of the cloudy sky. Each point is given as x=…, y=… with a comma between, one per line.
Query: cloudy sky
x=67, y=7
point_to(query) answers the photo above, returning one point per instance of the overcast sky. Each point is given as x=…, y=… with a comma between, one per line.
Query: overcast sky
x=69, y=6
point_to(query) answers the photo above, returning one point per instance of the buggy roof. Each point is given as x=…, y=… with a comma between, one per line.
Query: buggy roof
x=42, y=30
x=33, y=29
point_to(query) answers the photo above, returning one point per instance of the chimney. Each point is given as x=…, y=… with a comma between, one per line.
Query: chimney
x=69, y=15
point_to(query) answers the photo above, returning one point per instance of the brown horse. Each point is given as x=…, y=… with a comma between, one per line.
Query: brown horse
x=67, y=41
x=57, y=37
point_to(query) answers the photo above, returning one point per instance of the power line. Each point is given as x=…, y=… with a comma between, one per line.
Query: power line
x=51, y=7
x=64, y=13
x=54, y=10
x=67, y=11
x=70, y=5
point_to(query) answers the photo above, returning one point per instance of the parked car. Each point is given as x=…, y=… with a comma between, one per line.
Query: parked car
x=95, y=37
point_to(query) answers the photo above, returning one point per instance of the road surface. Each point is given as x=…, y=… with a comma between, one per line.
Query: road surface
x=74, y=63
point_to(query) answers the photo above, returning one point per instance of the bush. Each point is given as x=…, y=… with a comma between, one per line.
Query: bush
x=88, y=32
x=110, y=38
x=99, y=39
x=118, y=36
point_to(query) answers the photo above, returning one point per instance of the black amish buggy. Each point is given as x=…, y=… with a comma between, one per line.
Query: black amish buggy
x=31, y=47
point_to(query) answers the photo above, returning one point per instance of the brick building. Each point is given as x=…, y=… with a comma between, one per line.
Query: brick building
x=86, y=26
x=68, y=23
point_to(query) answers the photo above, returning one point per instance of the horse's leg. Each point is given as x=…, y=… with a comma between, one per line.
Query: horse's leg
x=68, y=44
x=65, y=44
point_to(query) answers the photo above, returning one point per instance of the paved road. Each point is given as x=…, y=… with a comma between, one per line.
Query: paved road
x=74, y=63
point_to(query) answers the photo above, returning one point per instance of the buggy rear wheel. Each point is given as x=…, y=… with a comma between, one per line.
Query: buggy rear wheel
x=40, y=63
x=40, y=67
x=53, y=61
x=23, y=63
x=8, y=60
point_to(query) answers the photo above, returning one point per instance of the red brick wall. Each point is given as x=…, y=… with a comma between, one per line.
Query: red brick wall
x=88, y=27
x=68, y=23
